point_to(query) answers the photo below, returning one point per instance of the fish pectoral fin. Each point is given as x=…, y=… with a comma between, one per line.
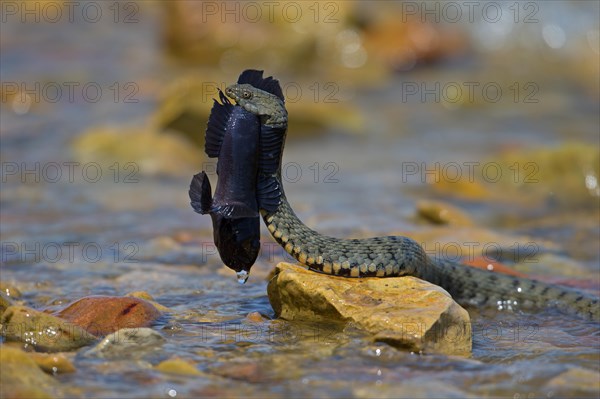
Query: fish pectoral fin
x=217, y=124
x=234, y=210
x=200, y=193
x=270, y=150
x=268, y=193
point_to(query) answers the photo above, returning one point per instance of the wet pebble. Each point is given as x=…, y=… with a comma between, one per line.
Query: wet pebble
x=22, y=378
x=439, y=212
x=56, y=363
x=101, y=315
x=177, y=366
x=255, y=317
x=10, y=290
x=43, y=331
x=245, y=371
x=5, y=302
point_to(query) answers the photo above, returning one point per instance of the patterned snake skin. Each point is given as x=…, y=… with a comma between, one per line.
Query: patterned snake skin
x=392, y=255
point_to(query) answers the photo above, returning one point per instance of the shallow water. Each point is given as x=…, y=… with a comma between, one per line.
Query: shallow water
x=66, y=239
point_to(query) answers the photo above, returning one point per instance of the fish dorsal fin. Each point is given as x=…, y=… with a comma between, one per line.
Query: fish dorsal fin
x=200, y=193
x=255, y=78
x=217, y=124
x=268, y=193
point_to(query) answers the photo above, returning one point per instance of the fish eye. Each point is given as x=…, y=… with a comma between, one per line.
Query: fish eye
x=246, y=94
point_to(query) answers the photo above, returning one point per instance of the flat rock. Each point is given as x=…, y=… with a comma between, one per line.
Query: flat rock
x=403, y=311
x=43, y=331
x=101, y=315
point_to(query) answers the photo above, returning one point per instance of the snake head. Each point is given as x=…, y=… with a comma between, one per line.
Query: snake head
x=259, y=102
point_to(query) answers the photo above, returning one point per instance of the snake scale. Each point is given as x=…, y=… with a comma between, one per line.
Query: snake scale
x=380, y=256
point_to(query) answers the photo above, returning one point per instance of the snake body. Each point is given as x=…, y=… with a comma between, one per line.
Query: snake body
x=388, y=256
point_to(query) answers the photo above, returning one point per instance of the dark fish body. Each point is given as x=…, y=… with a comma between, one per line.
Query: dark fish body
x=232, y=135
x=237, y=166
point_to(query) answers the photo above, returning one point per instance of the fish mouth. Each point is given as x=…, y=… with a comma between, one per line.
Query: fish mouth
x=242, y=276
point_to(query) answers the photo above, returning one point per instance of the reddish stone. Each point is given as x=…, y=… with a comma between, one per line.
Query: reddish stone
x=493, y=266
x=101, y=315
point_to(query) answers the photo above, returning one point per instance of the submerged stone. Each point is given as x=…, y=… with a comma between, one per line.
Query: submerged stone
x=576, y=381
x=127, y=343
x=403, y=311
x=56, y=363
x=177, y=366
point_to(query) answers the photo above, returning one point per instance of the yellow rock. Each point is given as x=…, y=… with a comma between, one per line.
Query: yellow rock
x=439, y=212
x=255, y=317
x=43, y=331
x=569, y=174
x=21, y=377
x=10, y=290
x=136, y=151
x=462, y=187
x=141, y=295
x=5, y=302
x=56, y=363
x=186, y=103
x=576, y=382
x=177, y=366
x=403, y=311
x=147, y=297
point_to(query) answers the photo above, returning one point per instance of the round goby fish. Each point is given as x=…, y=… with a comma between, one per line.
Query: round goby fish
x=232, y=136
